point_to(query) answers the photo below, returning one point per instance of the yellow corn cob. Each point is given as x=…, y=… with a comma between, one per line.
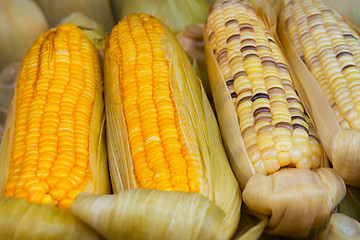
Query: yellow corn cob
x=53, y=141
x=330, y=49
x=163, y=137
x=271, y=143
x=276, y=131
x=162, y=159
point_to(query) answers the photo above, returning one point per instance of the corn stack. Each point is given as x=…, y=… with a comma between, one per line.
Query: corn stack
x=54, y=145
x=167, y=163
x=329, y=47
x=271, y=142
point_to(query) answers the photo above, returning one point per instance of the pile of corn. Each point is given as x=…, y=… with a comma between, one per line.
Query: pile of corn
x=108, y=132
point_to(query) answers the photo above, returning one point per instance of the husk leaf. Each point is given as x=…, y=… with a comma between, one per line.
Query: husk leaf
x=340, y=227
x=294, y=195
x=173, y=13
x=350, y=205
x=100, y=11
x=150, y=214
x=191, y=40
x=341, y=145
x=195, y=117
x=20, y=220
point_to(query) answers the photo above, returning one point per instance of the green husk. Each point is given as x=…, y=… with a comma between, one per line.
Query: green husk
x=173, y=13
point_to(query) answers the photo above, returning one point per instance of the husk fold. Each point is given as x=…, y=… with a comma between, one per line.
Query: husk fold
x=340, y=227
x=37, y=218
x=341, y=145
x=294, y=200
x=188, y=210
x=20, y=219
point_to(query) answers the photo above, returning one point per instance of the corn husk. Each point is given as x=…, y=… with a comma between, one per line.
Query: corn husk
x=151, y=207
x=22, y=21
x=45, y=214
x=100, y=11
x=7, y=80
x=83, y=22
x=281, y=196
x=191, y=40
x=298, y=196
x=340, y=227
x=349, y=8
x=173, y=13
x=20, y=220
x=341, y=145
x=350, y=205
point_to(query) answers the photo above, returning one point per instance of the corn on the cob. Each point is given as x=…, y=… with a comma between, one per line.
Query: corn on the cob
x=51, y=150
x=162, y=136
x=271, y=142
x=330, y=49
x=276, y=131
x=54, y=142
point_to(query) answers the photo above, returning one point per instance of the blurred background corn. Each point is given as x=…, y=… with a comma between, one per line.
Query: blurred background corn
x=99, y=11
x=21, y=23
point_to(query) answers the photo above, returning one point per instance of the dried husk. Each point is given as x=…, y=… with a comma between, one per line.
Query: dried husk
x=340, y=227
x=291, y=195
x=191, y=40
x=7, y=81
x=349, y=8
x=20, y=220
x=100, y=11
x=22, y=21
x=173, y=13
x=296, y=203
x=220, y=185
x=350, y=205
x=44, y=214
x=341, y=145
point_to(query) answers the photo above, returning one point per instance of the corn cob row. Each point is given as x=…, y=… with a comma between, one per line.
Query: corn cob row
x=330, y=49
x=276, y=131
x=271, y=143
x=57, y=105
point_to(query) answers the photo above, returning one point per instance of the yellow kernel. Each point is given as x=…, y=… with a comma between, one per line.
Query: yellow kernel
x=179, y=179
x=57, y=194
x=271, y=165
x=182, y=187
x=163, y=185
x=296, y=154
x=47, y=199
x=305, y=162
x=259, y=166
x=66, y=203
x=65, y=184
x=73, y=193
x=36, y=196
x=283, y=158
